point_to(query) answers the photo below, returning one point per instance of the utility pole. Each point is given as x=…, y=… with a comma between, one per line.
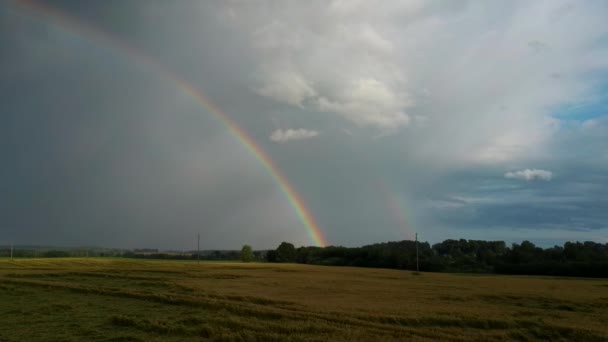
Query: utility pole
x=198, y=248
x=11, y=250
x=417, y=268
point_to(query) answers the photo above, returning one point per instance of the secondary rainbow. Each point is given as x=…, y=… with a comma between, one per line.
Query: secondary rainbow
x=397, y=208
x=60, y=20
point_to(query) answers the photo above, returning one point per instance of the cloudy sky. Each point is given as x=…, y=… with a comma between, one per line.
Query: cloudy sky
x=467, y=119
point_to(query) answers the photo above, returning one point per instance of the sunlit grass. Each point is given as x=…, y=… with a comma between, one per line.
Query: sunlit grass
x=149, y=300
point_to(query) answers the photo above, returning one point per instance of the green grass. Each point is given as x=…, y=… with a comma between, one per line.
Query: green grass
x=131, y=300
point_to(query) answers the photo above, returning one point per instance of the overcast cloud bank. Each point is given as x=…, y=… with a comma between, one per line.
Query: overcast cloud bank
x=433, y=100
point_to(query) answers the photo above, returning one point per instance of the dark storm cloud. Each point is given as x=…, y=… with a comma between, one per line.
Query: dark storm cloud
x=98, y=148
x=574, y=201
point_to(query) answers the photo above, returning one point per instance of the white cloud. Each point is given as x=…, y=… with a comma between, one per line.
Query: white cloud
x=368, y=102
x=530, y=175
x=483, y=75
x=282, y=136
x=287, y=86
x=319, y=59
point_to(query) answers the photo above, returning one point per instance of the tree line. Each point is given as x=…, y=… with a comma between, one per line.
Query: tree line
x=579, y=259
x=138, y=253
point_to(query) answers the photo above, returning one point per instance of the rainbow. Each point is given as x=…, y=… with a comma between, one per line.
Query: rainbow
x=397, y=209
x=64, y=22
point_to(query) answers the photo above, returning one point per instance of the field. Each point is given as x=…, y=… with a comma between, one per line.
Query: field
x=127, y=300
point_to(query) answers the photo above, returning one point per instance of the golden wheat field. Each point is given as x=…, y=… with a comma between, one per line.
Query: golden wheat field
x=127, y=300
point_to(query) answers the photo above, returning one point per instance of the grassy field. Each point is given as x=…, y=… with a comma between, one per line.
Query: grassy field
x=127, y=300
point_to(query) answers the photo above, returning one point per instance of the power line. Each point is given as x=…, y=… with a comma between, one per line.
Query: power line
x=417, y=268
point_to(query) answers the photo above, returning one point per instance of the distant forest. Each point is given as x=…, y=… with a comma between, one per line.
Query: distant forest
x=587, y=259
x=576, y=259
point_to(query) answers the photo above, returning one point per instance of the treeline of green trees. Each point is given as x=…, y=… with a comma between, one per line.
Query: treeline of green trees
x=225, y=255
x=35, y=253
x=146, y=253
x=587, y=259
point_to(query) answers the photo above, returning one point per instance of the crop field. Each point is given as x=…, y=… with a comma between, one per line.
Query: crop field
x=129, y=300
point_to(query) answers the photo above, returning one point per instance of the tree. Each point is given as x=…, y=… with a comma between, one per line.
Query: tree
x=246, y=253
x=286, y=252
x=272, y=256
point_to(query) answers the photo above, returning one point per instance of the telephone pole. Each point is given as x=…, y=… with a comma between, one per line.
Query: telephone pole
x=11, y=250
x=198, y=248
x=417, y=268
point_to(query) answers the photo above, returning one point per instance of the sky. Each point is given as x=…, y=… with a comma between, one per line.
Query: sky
x=470, y=119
